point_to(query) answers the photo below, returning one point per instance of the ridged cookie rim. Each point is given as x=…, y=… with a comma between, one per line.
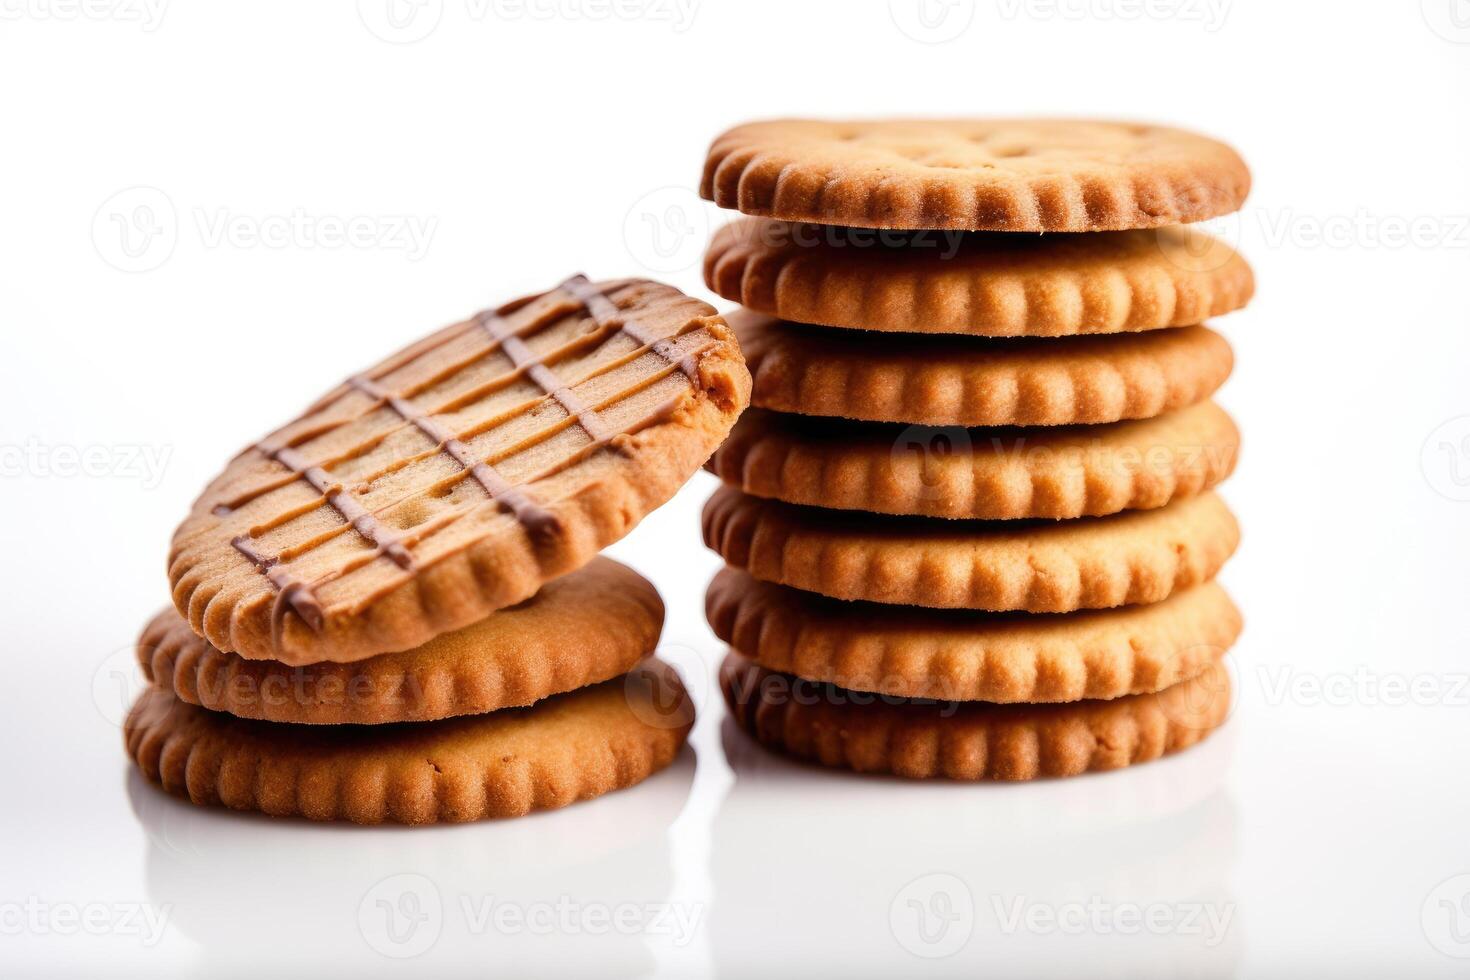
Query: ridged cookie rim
x=215, y=759
x=425, y=684
x=1188, y=278
x=1007, y=474
x=1090, y=563
x=954, y=655
x=748, y=168
x=802, y=370
x=977, y=742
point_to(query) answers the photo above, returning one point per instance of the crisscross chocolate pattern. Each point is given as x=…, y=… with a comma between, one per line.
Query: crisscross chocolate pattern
x=507, y=330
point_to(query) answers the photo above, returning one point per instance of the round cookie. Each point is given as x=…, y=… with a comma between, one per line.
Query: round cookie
x=1063, y=472
x=972, y=382
x=959, y=655
x=836, y=728
x=594, y=624
x=566, y=748
x=1059, y=566
x=459, y=475
x=987, y=284
x=974, y=174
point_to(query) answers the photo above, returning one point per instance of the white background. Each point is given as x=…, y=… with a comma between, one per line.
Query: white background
x=1323, y=828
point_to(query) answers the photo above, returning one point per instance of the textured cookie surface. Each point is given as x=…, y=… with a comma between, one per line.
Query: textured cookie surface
x=567, y=748
x=974, y=174
x=976, y=382
x=957, y=655
x=584, y=628
x=837, y=728
x=1053, y=566
x=990, y=474
x=457, y=476
x=985, y=284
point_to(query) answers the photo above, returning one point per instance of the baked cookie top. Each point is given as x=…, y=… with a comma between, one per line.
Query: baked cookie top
x=974, y=174
x=986, y=284
x=458, y=475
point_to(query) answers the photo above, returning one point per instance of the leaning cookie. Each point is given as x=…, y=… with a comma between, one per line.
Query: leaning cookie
x=507, y=763
x=974, y=174
x=958, y=655
x=1055, y=566
x=927, y=740
x=584, y=628
x=922, y=380
x=988, y=284
x=999, y=474
x=459, y=475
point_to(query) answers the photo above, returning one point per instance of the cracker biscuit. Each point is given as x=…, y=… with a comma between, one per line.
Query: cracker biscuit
x=1056, y=566
x=832, y=727
x=958, y=655
x=584, y=628
x=968, y=381
x=974, y=174
x=985, y=284
x=456, y=477
x=566, y=748
x=996, y=474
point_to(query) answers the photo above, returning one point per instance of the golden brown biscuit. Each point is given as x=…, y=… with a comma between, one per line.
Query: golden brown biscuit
x=566, y=748
x=456, y=477
x=843, y=729
x=958, y=655
x=974, y=174
x=1051, y=566
x=989, y=474
x=985, y=284
x=594, y=624
x=973, y=382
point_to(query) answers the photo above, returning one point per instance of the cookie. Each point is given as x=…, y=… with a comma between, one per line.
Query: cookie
x=566, y=748
x=843, y=729
x=989, y=474
x=1054, y=566
x=594, y=624
x=985, y=284
x=958, y=655
x=974, y=174
x=973, y=382
x=457, y=476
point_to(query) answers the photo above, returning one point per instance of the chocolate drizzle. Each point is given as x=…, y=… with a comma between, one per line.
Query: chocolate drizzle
x=298, y=594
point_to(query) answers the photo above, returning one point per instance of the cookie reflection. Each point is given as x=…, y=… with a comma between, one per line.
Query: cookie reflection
x=583, y=884
x=1124, y=871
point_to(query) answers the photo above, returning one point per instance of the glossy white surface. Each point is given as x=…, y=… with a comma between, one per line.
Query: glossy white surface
x=1322, y=832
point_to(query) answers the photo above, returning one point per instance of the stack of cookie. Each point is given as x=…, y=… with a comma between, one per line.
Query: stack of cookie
x=969, y=520
x=392, y=608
